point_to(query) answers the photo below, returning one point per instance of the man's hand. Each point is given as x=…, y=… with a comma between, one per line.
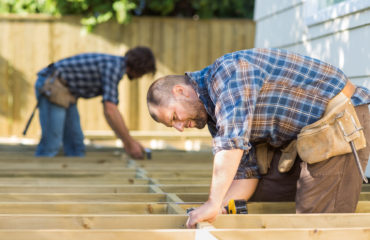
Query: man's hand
x=135, y=149
x=116, y=122
x=225, y=166
x=207, y=212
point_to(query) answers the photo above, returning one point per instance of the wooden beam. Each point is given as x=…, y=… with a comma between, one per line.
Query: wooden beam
x=281, y=207
x=76, y=189
x=183, y=180
x=98, y=234
x=83, y=208
x=66, y=166
x=9, y=221
x=202, y=197
x=18, y=158
x=302, y=234
x=181, y=174
x=85, y=197
x=193, y=197
x=231, y=234
x=63, y=172
x=185, y=188
x=263, y=221
x=248, y=221
x=365, y=196
x=365, y=188
x=71, y=181
x=67, y=175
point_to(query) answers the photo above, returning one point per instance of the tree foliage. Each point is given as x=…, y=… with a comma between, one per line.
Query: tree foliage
x=99, y=11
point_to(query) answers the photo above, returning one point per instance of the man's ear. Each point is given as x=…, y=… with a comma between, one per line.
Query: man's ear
x=180, y=90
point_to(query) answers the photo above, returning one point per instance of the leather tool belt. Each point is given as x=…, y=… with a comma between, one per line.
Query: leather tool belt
x=330, y=136
x=56, y=91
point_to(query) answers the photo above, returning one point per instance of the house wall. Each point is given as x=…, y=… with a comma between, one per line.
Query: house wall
x=339, y=34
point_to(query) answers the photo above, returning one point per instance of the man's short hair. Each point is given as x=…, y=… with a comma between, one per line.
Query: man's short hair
x=141, y=60
x=160, y=91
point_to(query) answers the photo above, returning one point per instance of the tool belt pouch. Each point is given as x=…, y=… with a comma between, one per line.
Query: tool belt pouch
x=288, y=156
x=264, y=154
x=56, y=91
x=330, y=136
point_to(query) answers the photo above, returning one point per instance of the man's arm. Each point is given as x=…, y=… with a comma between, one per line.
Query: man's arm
x=225, y=165
x=116, y=122
x=241, y=189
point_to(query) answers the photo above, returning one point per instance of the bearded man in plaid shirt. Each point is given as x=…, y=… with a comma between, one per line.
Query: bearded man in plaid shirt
x=259, y=96
x=88, y=75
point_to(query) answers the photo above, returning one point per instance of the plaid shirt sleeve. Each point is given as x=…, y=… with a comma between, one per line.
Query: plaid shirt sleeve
x=235, y=88
x=248, y=166
x=110, y=78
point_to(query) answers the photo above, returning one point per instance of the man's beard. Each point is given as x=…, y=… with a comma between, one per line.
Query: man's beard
x=200, y=114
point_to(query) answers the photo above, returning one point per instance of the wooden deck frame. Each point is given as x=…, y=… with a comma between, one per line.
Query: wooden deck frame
x=96, y=198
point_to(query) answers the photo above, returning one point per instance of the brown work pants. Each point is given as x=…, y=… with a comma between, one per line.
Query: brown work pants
x=331, y=186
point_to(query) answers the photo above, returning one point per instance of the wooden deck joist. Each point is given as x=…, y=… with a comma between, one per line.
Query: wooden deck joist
x=85, y=197
x=71, y=181
x=188, y=234
x=138, y=208
x=249, y=221
x=87, y=188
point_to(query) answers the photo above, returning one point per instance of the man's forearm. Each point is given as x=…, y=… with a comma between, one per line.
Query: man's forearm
x=116, y=122
x=241, y=189
x=225, y=165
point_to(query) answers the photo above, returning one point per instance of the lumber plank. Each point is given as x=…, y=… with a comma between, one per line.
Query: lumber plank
x=71, y=181
x=85, y=197
x=365, y=188
x=83, y=208
x=202, y=197
x=76, y=189
x=53, y=172
x=98, y=234
x=18, y=158
x=280, y=207
x=9, y=221
x=263, y=221
x=183, y=180
x=66, y=175
x=173, y=234
x=301, y=234
x=193, y=197
x=62, y=166
x=185, y=188
x=248, y=221
x=179, y=173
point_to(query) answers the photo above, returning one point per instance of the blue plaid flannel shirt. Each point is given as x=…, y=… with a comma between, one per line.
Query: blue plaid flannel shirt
x=265, y=95
x=90, y=74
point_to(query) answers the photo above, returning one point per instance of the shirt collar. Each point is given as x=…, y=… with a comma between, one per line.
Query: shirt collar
x=201, y=82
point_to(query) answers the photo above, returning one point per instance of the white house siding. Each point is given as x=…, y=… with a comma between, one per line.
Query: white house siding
x=343, y=41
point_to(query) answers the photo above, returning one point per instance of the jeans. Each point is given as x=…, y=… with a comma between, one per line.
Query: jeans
x=58, y=125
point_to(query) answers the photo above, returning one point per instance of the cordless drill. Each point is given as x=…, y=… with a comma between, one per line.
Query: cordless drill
x=233, y=207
